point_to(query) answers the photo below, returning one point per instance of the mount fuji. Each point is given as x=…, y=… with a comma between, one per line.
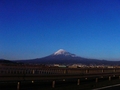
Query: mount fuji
x=63, y=57
x=62, y=52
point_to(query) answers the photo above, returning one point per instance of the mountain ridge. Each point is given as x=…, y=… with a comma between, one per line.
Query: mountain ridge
x=63, y=57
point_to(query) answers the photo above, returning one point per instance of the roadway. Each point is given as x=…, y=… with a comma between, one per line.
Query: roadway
x=111, y=87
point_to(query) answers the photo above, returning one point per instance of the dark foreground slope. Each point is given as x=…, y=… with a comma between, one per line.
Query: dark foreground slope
x=6, y=61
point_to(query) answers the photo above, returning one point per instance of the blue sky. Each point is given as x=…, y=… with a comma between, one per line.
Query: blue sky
x=36, y=28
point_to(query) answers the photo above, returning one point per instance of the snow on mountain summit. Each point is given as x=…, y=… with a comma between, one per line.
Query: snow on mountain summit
x=63, y=52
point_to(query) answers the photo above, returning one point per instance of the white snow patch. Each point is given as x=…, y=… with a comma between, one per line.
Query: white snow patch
x=60, y=51
x=63, y=52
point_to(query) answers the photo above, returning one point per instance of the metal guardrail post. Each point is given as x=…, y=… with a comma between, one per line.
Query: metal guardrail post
x=78, y=82
x=109, y=78
x=53, y=84
x=18, y=86
x=96, y=80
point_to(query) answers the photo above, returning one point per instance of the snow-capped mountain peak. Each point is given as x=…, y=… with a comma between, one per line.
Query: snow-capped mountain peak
x=60, y=51
x=63, y=52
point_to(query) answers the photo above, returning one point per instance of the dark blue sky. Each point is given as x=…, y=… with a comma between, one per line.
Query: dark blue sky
x=37, y=28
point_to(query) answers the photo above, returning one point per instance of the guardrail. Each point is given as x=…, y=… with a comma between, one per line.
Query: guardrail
x=48, y=70
x=20, y=74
